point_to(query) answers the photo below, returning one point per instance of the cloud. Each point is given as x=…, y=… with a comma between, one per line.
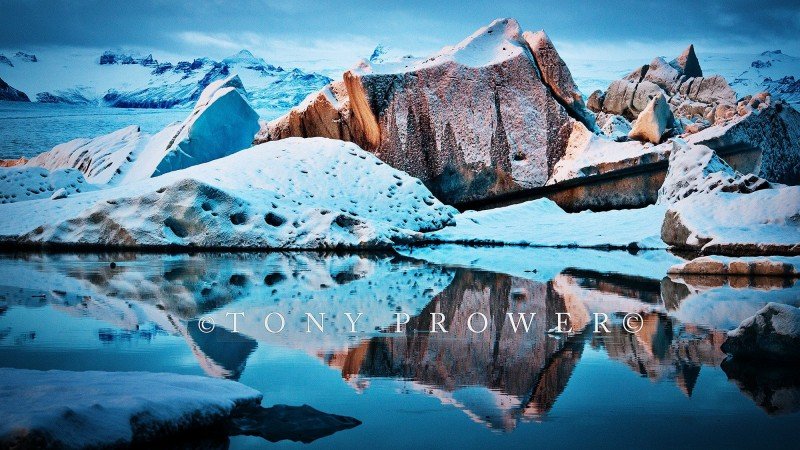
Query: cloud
x=320, y=33
x=199, y=39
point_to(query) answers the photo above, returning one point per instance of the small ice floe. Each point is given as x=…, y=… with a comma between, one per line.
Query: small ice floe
x=772, y=334
x=62, y=409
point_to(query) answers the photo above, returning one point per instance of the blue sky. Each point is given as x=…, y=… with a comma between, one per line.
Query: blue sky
x=325, y=34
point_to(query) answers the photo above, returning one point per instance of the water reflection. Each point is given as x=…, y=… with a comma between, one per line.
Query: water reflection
x=774, y=388
x=498, y=378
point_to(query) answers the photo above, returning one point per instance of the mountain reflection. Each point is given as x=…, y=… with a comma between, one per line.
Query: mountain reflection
x=497, y=377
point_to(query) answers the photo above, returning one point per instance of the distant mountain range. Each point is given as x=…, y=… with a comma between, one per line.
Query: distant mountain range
x=128, y=80
x=774, y=72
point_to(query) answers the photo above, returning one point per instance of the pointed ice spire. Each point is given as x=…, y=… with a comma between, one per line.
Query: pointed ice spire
x=687, y=63
x=377, y=54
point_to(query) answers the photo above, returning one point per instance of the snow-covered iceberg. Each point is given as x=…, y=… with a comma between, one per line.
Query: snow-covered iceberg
x=101, y=159
x=220, y=124
x=297, y=193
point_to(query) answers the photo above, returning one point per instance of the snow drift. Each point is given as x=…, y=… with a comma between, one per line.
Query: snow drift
x=29, y=183
x=542, y=223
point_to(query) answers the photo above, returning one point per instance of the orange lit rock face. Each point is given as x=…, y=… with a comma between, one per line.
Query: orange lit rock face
x=471, y=123
x=13, y=162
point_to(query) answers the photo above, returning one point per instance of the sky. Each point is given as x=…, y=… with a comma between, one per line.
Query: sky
x=332, y=35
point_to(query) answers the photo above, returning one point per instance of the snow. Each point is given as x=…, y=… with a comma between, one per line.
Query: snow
x=783, y=319
x=765, y=217
x=543, y=223
x=80, y=409
x=715, y=131
x=587, y=152
x=787, y=319
x=614, y=126
x=75, y=74
x=694, y=169
x=163, y=292
x=375, y=288
x=771, y=71
x=293, y=193
x=99, y=158
x=725, y=307
x=489, y=45
x=19, y=183
x=383, y=54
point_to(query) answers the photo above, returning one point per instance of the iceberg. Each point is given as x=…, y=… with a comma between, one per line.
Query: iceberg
x=296, y=193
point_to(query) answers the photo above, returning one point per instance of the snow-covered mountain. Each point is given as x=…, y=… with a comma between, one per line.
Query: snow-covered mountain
x=126, y=79
x=774, y=72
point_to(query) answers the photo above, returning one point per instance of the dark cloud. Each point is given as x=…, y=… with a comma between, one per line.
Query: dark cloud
x=174, y=26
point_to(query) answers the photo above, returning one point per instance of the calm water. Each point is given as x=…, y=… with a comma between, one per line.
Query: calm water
x=31, y=128
x=664, y=386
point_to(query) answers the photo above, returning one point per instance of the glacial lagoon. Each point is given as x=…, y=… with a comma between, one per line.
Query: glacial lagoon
x=667, y=384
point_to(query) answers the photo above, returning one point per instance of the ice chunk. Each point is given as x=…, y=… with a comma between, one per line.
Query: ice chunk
x=762, y=222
